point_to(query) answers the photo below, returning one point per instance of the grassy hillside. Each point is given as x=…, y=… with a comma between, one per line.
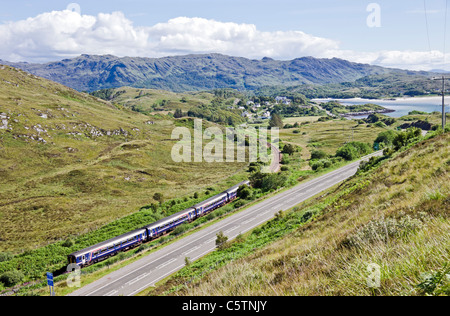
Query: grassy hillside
x=71, y=163
x=377, y=86
x=394, y=214
x=148, y=100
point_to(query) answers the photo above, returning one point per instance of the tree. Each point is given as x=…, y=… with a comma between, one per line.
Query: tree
x=276, y=121
x=244, y=192
x=290, y=149
x=158, y=197
x=267, y=182
x=404, y=138
x=178, y=113
x=353, y=150
x=386, y=138
x=221, y=241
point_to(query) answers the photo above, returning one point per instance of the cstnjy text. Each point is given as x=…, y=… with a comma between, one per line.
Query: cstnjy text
x=249, y=306
x=252, y=306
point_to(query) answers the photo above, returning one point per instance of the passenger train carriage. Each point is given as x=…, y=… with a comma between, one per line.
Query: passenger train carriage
x=135, y=238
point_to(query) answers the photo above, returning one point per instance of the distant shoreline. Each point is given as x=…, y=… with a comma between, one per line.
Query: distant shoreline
x=367, y=112
x=401, y=99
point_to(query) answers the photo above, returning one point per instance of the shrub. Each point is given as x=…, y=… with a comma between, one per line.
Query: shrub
x=317, y=165
x=11, y=278
x=67, y=243
x=353, y=150
x=290, y=149
x=244, y=192
x=221, y=241
x=436, y=283
x=5, y=256
x=180, y=229
x=253, y=169
x=318, y=154
x=386, y=138
x=347, y=152
x=404, y=138
x=267, y=182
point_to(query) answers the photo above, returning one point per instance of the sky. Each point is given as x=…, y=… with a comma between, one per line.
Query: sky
x=408, y=34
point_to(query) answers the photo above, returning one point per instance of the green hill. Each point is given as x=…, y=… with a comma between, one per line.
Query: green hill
x=71, y=163
x=391, y=218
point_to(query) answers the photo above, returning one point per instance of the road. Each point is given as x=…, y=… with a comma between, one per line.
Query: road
x=275, y=165
x=147, y=271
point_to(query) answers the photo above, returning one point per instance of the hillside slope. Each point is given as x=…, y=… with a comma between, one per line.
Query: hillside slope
x=395, y=217
x=198, y=72
x=71, y=163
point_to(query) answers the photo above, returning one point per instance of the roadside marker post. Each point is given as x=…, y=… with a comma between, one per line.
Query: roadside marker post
x=50, y=283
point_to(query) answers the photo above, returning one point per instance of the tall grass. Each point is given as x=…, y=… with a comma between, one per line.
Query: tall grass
x=395, y=217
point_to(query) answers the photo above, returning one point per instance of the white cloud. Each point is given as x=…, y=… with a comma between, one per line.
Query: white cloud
x=57, y=34
x=187, y=35
x=413, y=60
x=62, y=34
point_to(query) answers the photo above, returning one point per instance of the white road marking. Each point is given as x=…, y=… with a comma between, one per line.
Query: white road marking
x=166, y=264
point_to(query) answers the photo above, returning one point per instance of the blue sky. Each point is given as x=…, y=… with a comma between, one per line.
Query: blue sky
x=282, y=29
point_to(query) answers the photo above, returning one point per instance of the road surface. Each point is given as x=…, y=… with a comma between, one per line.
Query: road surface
x=149, y=270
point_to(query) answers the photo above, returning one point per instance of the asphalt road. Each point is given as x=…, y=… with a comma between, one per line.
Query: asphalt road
x=144, y=273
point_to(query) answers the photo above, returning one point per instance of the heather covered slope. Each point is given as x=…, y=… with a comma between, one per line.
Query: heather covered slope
x=71, y=163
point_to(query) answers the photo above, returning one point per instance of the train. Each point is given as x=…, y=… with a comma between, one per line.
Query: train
x=111, y=247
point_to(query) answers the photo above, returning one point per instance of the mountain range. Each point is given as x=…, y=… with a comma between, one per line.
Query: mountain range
x=200, y=72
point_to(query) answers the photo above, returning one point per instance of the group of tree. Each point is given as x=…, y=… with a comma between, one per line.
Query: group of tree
x=350, y=151
x=353, y=150
x=293, y=110
x=376, y=118
x=178, y=113
x=217, y=114
x=268, y=181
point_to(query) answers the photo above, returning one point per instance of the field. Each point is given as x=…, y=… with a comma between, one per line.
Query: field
x=71, y=163
x=151, y=100
x=330, y=135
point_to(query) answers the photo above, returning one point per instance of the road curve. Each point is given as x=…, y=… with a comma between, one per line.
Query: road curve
x=149, y=270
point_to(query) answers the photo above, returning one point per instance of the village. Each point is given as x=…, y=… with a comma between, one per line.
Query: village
x=257, y=111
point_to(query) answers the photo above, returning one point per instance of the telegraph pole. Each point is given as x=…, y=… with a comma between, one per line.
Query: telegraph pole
x=443, y=99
